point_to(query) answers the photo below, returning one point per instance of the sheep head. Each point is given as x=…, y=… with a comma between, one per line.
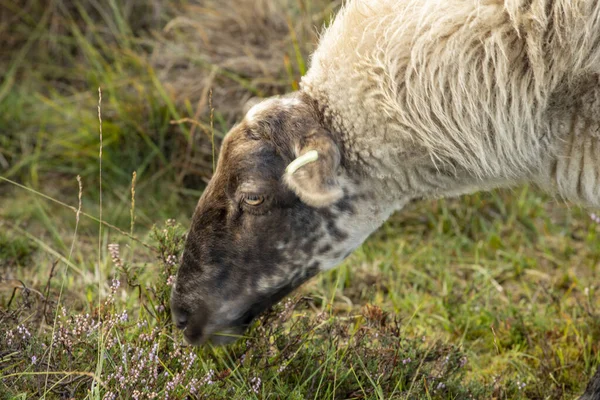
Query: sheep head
x=279, y=209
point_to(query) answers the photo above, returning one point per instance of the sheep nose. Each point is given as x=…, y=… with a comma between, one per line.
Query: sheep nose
x=181, y=320
x=192, y=322
x=180, y=317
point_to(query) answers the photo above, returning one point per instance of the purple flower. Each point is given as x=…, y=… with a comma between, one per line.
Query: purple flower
x=172, y=260
x=113, y=249
x=22, y=330
x=207, y=379
x=170, y=280
x=33, y=360
x=255, y=382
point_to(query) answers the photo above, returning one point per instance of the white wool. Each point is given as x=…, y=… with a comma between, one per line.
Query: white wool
x=479, y=86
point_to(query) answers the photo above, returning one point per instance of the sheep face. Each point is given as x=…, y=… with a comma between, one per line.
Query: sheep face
x=259, y=231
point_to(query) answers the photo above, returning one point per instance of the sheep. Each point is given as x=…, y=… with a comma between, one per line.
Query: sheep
x=403, y=100
x=592, y=391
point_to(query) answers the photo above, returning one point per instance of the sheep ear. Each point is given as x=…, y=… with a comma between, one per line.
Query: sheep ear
x=313, y=174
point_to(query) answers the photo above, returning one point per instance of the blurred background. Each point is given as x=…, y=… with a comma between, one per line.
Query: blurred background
x=493, y=295
x=161, y=65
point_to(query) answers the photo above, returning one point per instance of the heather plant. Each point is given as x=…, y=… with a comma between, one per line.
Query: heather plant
x=125, y=346
x=139, y=356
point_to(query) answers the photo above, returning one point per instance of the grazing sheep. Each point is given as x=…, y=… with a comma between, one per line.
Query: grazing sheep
x=592, y=392
x=403, y=100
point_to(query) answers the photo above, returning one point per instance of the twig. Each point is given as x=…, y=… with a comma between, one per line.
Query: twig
x=100, y=173
x=23, y=287
x=68, y=373
x=98, y=361
x=132, y=215
x=47, y=289
x=192, y=121
x=212, y=128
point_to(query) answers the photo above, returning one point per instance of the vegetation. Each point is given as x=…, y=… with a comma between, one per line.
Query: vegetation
x=493, y=295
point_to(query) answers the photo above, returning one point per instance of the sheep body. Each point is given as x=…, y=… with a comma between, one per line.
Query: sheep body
x=437, y=98
x=403, y=100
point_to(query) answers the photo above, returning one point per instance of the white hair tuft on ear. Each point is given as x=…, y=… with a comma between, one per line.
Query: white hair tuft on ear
x=308, y=157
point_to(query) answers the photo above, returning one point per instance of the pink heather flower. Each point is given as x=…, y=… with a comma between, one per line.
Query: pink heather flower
x=124, y=317
x=255, y=382
x=142, y=324
x=172, y=260
x=115, y=284
x=406, y=361
x=9, y=337
x=440, y=386
x=193, y=386
x=595, y=218
x=207, y=380
x=113, y=249
x=109, y=396
x=33, y=360
x=170, y=280
x=23, y=332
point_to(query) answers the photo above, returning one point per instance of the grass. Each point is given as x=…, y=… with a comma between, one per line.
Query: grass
x=493, y=295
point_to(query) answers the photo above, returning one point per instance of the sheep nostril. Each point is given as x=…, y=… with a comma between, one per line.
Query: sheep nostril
x=181, y=321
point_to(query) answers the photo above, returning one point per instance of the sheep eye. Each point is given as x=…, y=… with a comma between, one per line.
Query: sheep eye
x=254, y=199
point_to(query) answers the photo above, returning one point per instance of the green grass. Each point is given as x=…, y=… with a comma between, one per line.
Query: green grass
x=476, y=295
x=492, y=295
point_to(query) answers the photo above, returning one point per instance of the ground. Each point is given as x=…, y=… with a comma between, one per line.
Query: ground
x=487, y=296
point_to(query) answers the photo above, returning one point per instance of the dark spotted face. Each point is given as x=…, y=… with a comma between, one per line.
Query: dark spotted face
x=260, y=231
